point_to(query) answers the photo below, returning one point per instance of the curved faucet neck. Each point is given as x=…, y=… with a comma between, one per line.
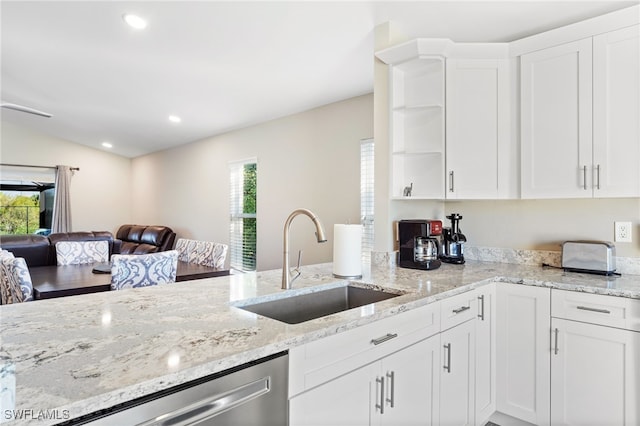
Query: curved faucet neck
x=286, y=272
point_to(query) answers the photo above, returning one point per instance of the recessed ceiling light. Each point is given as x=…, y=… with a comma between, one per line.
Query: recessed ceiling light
x=107, y=145
x=134, y=21
x=175, y=119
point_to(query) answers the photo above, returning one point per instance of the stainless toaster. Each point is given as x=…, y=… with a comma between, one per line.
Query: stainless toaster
x=589, y=256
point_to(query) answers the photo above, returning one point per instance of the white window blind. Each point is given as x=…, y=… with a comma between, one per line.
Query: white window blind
x=366, y=196
x=243, y=214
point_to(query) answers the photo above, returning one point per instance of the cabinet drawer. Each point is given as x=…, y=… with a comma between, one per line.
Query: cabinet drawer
x=458, y=309
x=612, y=311
x=325, y=359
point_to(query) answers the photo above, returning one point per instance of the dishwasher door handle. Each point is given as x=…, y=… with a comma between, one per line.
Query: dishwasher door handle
x=212, y=406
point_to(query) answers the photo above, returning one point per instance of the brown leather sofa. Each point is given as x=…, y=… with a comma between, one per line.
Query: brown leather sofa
x=140, y=239
x=40, y=250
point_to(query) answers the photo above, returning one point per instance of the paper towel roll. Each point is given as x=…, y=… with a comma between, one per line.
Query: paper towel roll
x=347, y=251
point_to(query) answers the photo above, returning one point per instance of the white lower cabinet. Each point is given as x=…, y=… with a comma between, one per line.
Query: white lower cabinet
x=595, y=359
x=541, y=356
x=345, y=401
x=485, y=395
x=522, y=352
x=457, y=377
x=400, y=389
x=411, y=385
x=595, y=378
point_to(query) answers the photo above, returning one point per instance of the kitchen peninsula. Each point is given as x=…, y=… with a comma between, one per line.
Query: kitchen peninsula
x=77, y=355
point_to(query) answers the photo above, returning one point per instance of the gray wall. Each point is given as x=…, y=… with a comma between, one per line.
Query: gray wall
x=309, y=160
x=100, y=195
x=305, y=160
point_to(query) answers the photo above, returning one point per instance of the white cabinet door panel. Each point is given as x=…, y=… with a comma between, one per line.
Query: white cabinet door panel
x=616, y=113
x=345, y=401
x=556, y=121
x=594, y=375
x=412, y=378
x=457, y=377
x=523, y=352
x=477, y=126
x=485, y=354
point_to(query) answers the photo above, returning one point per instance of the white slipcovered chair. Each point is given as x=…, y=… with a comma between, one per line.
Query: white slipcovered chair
x=141, y=270
x=81, y=252
x=15, y=280
x=205, y=253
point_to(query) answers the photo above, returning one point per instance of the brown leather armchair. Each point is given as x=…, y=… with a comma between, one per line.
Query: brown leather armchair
x=140, y=239
x=33, y=248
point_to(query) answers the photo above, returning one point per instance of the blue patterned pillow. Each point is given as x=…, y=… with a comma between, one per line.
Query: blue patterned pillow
x=141, y=270
x=19, y=287
x=81, y=252
x=202, y=252
x=5, y=293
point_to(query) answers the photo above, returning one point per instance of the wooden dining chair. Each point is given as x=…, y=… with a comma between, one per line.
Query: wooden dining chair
x=205, y=253
x=15, y=280
x=81, y=252
x=141, y=270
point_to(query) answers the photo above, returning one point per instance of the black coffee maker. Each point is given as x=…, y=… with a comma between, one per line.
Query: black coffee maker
x=453, y=239
x=419, y=243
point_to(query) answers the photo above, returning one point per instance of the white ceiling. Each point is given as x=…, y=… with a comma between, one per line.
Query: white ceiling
x=220, y=65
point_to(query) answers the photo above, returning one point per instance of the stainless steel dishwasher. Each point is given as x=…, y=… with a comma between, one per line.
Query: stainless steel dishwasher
x=253, y=394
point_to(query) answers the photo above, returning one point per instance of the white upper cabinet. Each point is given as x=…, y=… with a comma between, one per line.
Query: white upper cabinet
x=616, y=113
x=580, y=120
x=478, y=128
x=462, y=125
x=475, y=105
x=417, y=128
x=556, y=135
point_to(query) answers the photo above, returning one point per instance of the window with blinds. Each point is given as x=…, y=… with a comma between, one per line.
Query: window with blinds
x=243, y=212
x=366, y=196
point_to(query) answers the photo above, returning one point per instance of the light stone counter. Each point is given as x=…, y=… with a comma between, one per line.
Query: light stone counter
x=67, y=357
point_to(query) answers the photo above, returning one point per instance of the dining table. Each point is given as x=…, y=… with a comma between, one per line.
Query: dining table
x=69, y=280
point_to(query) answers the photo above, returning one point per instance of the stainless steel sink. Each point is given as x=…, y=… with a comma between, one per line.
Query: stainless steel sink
x=308, y=306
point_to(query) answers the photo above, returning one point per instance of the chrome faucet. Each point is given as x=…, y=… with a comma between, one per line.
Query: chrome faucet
x=289, y=276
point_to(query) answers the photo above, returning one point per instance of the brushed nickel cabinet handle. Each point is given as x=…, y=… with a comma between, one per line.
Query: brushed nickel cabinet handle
x=555, y=350
x=392, y=384
x=380, y=381
x=451, y=181
x=481, y=314
x=461, y=309
x=584, y=177
x=598, y=176
x=586, y=308
x=384, y=338
x=447, y=366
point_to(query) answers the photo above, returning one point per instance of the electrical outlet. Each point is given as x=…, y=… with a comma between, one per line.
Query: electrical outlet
x=623, y=232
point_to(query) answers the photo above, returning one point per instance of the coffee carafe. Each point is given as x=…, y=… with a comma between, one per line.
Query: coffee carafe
x=453, y=240
x=419, y=243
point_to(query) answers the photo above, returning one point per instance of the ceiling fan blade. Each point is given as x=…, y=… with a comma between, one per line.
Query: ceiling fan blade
x=25, y=109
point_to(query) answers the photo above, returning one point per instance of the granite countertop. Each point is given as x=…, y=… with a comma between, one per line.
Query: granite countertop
x=67, y=357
